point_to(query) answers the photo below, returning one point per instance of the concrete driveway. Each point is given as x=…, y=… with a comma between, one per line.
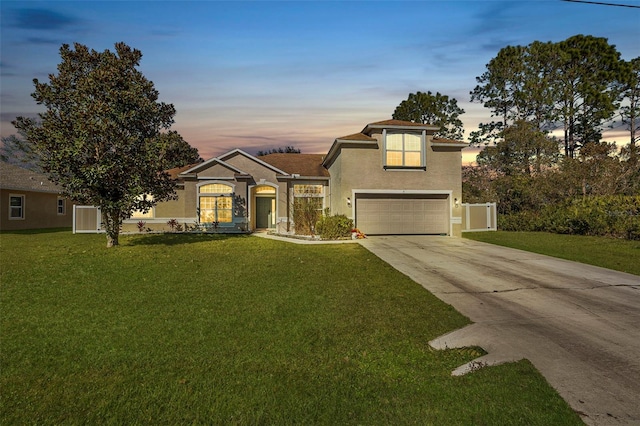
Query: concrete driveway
x=578, y=324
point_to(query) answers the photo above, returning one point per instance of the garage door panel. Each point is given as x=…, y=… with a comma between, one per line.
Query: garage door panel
x=402, y=216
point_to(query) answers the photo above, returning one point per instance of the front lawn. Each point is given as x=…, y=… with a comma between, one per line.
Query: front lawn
x=200, y=329
x=611, y=253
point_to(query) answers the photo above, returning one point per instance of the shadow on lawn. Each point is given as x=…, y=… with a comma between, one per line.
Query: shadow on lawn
x=169, y=239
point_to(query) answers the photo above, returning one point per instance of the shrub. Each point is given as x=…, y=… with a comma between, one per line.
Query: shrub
x=614, y=216
x=334, y=227
x=306, y=212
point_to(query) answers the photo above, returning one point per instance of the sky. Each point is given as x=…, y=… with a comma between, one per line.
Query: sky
x=261, y=74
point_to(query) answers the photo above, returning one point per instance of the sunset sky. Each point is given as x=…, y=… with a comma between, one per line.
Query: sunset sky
x=259, y=75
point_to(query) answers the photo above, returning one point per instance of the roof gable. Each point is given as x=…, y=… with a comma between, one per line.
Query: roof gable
x=252, y=158
x=207, y=165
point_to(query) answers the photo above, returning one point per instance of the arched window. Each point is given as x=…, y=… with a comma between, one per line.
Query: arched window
x=215, y=202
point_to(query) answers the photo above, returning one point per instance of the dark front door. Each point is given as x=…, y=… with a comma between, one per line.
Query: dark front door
x=263, y=212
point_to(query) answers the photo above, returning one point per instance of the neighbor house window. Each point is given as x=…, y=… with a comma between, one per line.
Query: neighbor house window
x=404, y=150
x=16, y=207
x=215, y=202
x=62, y=208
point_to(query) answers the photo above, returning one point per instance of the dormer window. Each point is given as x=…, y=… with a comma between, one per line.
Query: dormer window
x=404, y=150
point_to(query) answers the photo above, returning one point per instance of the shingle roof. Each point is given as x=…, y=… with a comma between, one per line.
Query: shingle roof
x=17, y=178
x=301, y=164
x=357, y=137
x=177, y=170
x=398, y=123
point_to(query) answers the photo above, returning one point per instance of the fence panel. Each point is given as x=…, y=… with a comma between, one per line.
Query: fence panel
x=479, y=217
x=87, y=219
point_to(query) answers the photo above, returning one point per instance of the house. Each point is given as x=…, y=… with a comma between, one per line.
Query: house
x=28, y=200
x=393, y=177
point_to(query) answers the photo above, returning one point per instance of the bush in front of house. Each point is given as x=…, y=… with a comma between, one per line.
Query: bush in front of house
x=334, y=227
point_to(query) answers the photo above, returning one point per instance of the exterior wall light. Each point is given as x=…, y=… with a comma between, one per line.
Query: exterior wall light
x=456, y=203
x=348, y=202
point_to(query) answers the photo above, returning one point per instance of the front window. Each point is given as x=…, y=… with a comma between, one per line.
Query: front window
x=404, y=150
x=215, y=203
x=16, y=207
x=308, y=190
x=307, y=207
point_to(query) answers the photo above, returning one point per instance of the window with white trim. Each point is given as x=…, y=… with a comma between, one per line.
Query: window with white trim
x=16, y=207
x=215, y=203
x=404, y=150
x=62, y=207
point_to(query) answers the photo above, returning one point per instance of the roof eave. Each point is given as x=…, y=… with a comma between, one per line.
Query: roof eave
x=451, y=145
x=370, y=127
x=300, y=177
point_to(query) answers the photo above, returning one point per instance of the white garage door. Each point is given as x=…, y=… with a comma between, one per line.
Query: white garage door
x=402, y=215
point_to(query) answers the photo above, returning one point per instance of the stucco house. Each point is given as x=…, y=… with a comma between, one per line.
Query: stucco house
x=28, y=200
x=393, y=177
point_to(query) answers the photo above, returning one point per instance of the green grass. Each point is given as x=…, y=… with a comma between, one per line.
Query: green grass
x=612, y=253
x=195, y=329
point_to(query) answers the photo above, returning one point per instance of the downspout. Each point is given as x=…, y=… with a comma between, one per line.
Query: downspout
x=246, y=209
x=288, y=209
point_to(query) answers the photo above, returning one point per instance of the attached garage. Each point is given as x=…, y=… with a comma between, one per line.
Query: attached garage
x=390, y=214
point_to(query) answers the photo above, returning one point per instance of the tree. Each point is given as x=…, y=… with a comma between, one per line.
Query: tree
x=524, y=149
x=438, y=110
x=175, y=151
x=99, y=137
x=570, y=83
x=587, y=69
x=285, y=150
x=17, y=150
x=630, y=89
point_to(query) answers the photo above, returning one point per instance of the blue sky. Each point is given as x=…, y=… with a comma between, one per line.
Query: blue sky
x=259, y=75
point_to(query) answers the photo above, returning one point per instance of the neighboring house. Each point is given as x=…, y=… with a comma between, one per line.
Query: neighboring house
x=391, y=178
x=28, y=200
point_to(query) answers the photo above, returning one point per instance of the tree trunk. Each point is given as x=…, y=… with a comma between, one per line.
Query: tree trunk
x=112, y=225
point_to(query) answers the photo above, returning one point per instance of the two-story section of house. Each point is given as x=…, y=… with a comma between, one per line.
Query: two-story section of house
x=394, y=178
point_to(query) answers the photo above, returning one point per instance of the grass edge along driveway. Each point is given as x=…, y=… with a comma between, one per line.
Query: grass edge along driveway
x=206, y=329
x=612, y=253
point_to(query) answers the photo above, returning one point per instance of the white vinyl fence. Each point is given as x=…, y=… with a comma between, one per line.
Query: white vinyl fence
x=87, y=219
x=479, y=217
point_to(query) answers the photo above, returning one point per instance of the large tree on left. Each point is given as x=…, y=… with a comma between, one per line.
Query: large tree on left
x=100, y=136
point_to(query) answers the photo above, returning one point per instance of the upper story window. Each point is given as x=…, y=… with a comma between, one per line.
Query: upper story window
x=16, y=207
x=404, y=150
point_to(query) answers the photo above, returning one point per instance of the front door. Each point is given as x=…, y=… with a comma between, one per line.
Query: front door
x=264, y=212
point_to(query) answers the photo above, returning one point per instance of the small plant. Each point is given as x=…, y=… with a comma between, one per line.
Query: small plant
x=173, y=224
x=141, y=224
x=178, y=228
